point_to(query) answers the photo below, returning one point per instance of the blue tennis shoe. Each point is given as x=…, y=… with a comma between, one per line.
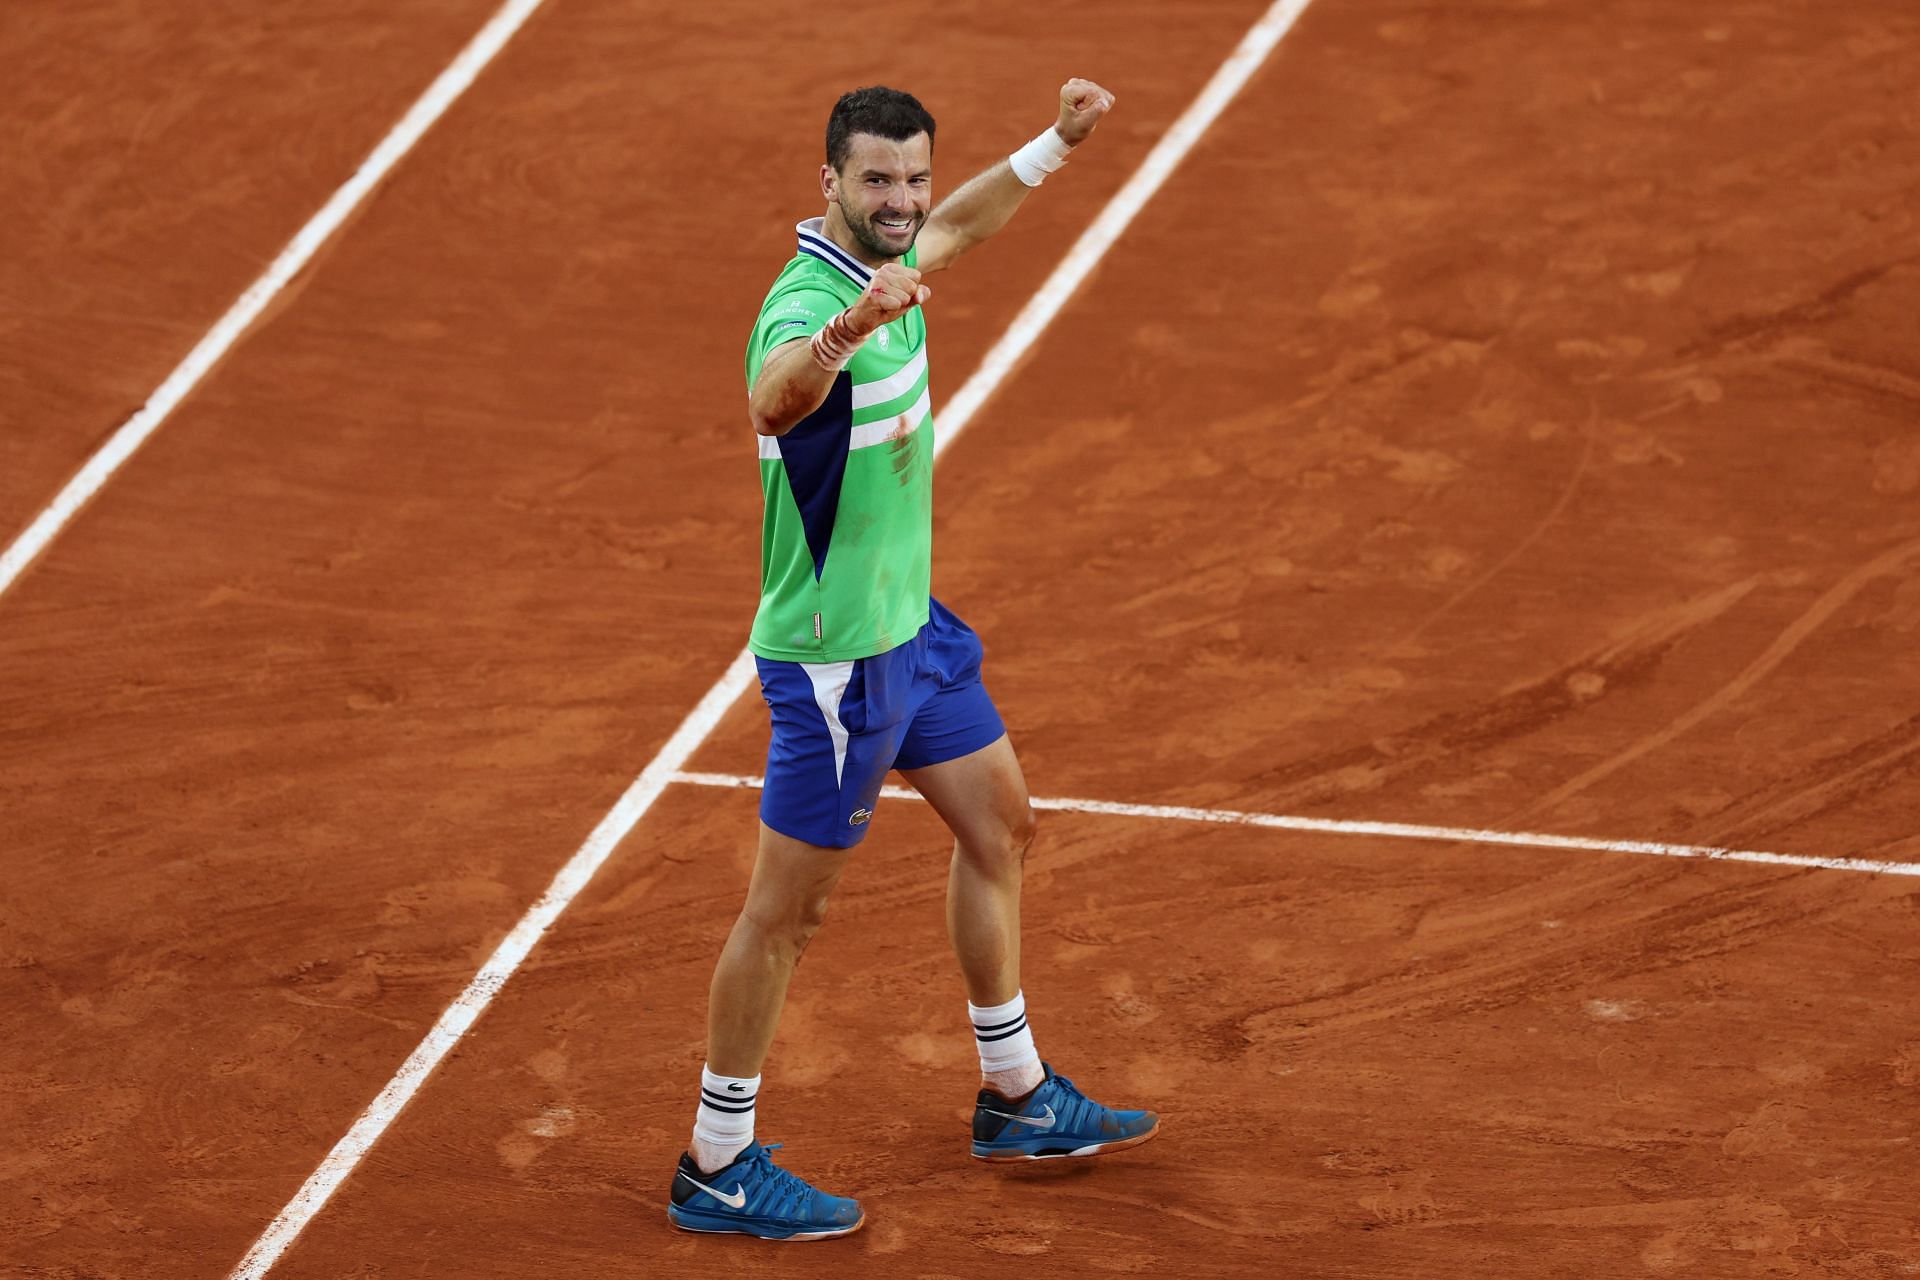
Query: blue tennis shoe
x=1054, y=1121
x=753, y=1196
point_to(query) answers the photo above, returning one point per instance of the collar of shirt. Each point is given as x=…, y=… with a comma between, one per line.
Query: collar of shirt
x=814, y=244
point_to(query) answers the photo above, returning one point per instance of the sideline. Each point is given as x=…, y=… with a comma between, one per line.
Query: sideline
x=133, y=433
x=1040, y=310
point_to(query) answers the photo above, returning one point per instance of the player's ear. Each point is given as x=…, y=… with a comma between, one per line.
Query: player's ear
x=829, y=182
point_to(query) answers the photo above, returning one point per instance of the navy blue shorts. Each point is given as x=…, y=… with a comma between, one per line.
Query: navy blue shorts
x=838, y=727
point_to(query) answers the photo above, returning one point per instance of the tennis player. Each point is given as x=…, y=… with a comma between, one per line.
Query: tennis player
x=863, y=670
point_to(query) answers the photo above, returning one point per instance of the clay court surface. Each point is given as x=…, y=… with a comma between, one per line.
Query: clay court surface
x=1507, y=417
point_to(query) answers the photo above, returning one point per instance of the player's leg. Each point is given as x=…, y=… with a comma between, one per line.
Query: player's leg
x=726, y=1182
x=956, y=754
x=786, y=903
x=982, y=797
x=824, y=770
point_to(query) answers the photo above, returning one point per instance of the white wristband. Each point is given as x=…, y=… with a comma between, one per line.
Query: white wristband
x=1044, y=155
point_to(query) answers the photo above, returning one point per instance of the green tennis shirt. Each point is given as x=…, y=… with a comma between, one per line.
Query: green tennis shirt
x=846, y=542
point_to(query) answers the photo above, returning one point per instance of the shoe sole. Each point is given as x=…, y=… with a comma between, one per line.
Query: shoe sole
x=1079, y=1153
x=746, y=1231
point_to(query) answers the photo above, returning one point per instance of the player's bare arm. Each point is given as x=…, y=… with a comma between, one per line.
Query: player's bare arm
x=797, y=377
x=988, y=200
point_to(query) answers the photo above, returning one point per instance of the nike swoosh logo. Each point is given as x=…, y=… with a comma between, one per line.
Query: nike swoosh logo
x=738, y=1200
x=1035, y=1122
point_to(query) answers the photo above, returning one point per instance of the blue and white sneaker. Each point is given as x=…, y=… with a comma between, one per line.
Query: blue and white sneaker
x=1054, y=1121
x=753, y=1196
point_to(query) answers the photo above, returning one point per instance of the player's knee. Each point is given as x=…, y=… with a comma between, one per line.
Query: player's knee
x=1021, y=831
x=786, y=928
x=1005, y=851
x=812, y=914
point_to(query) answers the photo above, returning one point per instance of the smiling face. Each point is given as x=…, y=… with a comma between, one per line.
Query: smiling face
x=883, y=192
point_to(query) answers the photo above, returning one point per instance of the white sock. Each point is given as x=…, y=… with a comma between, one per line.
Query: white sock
x=723, y=1127
x=1008, y=1061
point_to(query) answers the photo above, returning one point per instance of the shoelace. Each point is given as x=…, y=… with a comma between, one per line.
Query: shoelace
x=1076, y=1110
x=784, y=1192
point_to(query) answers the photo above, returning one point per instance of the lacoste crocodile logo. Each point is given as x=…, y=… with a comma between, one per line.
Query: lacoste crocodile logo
x=859, y=817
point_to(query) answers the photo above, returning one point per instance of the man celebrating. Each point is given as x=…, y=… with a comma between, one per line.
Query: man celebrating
x=863, y=671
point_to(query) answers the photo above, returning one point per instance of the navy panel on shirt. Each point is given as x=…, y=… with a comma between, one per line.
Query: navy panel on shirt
x=814, y=454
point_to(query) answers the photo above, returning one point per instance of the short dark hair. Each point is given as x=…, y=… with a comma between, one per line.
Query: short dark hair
x=876, y=109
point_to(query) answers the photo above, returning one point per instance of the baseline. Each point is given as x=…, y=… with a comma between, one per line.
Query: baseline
x=1389, y=830
x=1227, y=81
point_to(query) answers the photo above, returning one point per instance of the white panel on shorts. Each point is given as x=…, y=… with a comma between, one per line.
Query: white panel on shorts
x=829, y=686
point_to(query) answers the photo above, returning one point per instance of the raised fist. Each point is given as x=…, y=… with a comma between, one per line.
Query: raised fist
x=893, y=291
x=1082, y=104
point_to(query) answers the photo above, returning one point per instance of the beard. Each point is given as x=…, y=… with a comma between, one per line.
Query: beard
x=872, y=240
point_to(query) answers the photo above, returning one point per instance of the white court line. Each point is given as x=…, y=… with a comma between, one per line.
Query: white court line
x=227, y=330
x=701, y=721
x=1390, y=830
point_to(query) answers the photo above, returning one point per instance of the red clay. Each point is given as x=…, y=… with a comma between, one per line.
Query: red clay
x=156, y=163
x=1504, y=418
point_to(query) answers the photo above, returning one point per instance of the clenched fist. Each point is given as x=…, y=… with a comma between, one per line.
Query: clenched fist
x=893, y=291
x=1082, y=104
